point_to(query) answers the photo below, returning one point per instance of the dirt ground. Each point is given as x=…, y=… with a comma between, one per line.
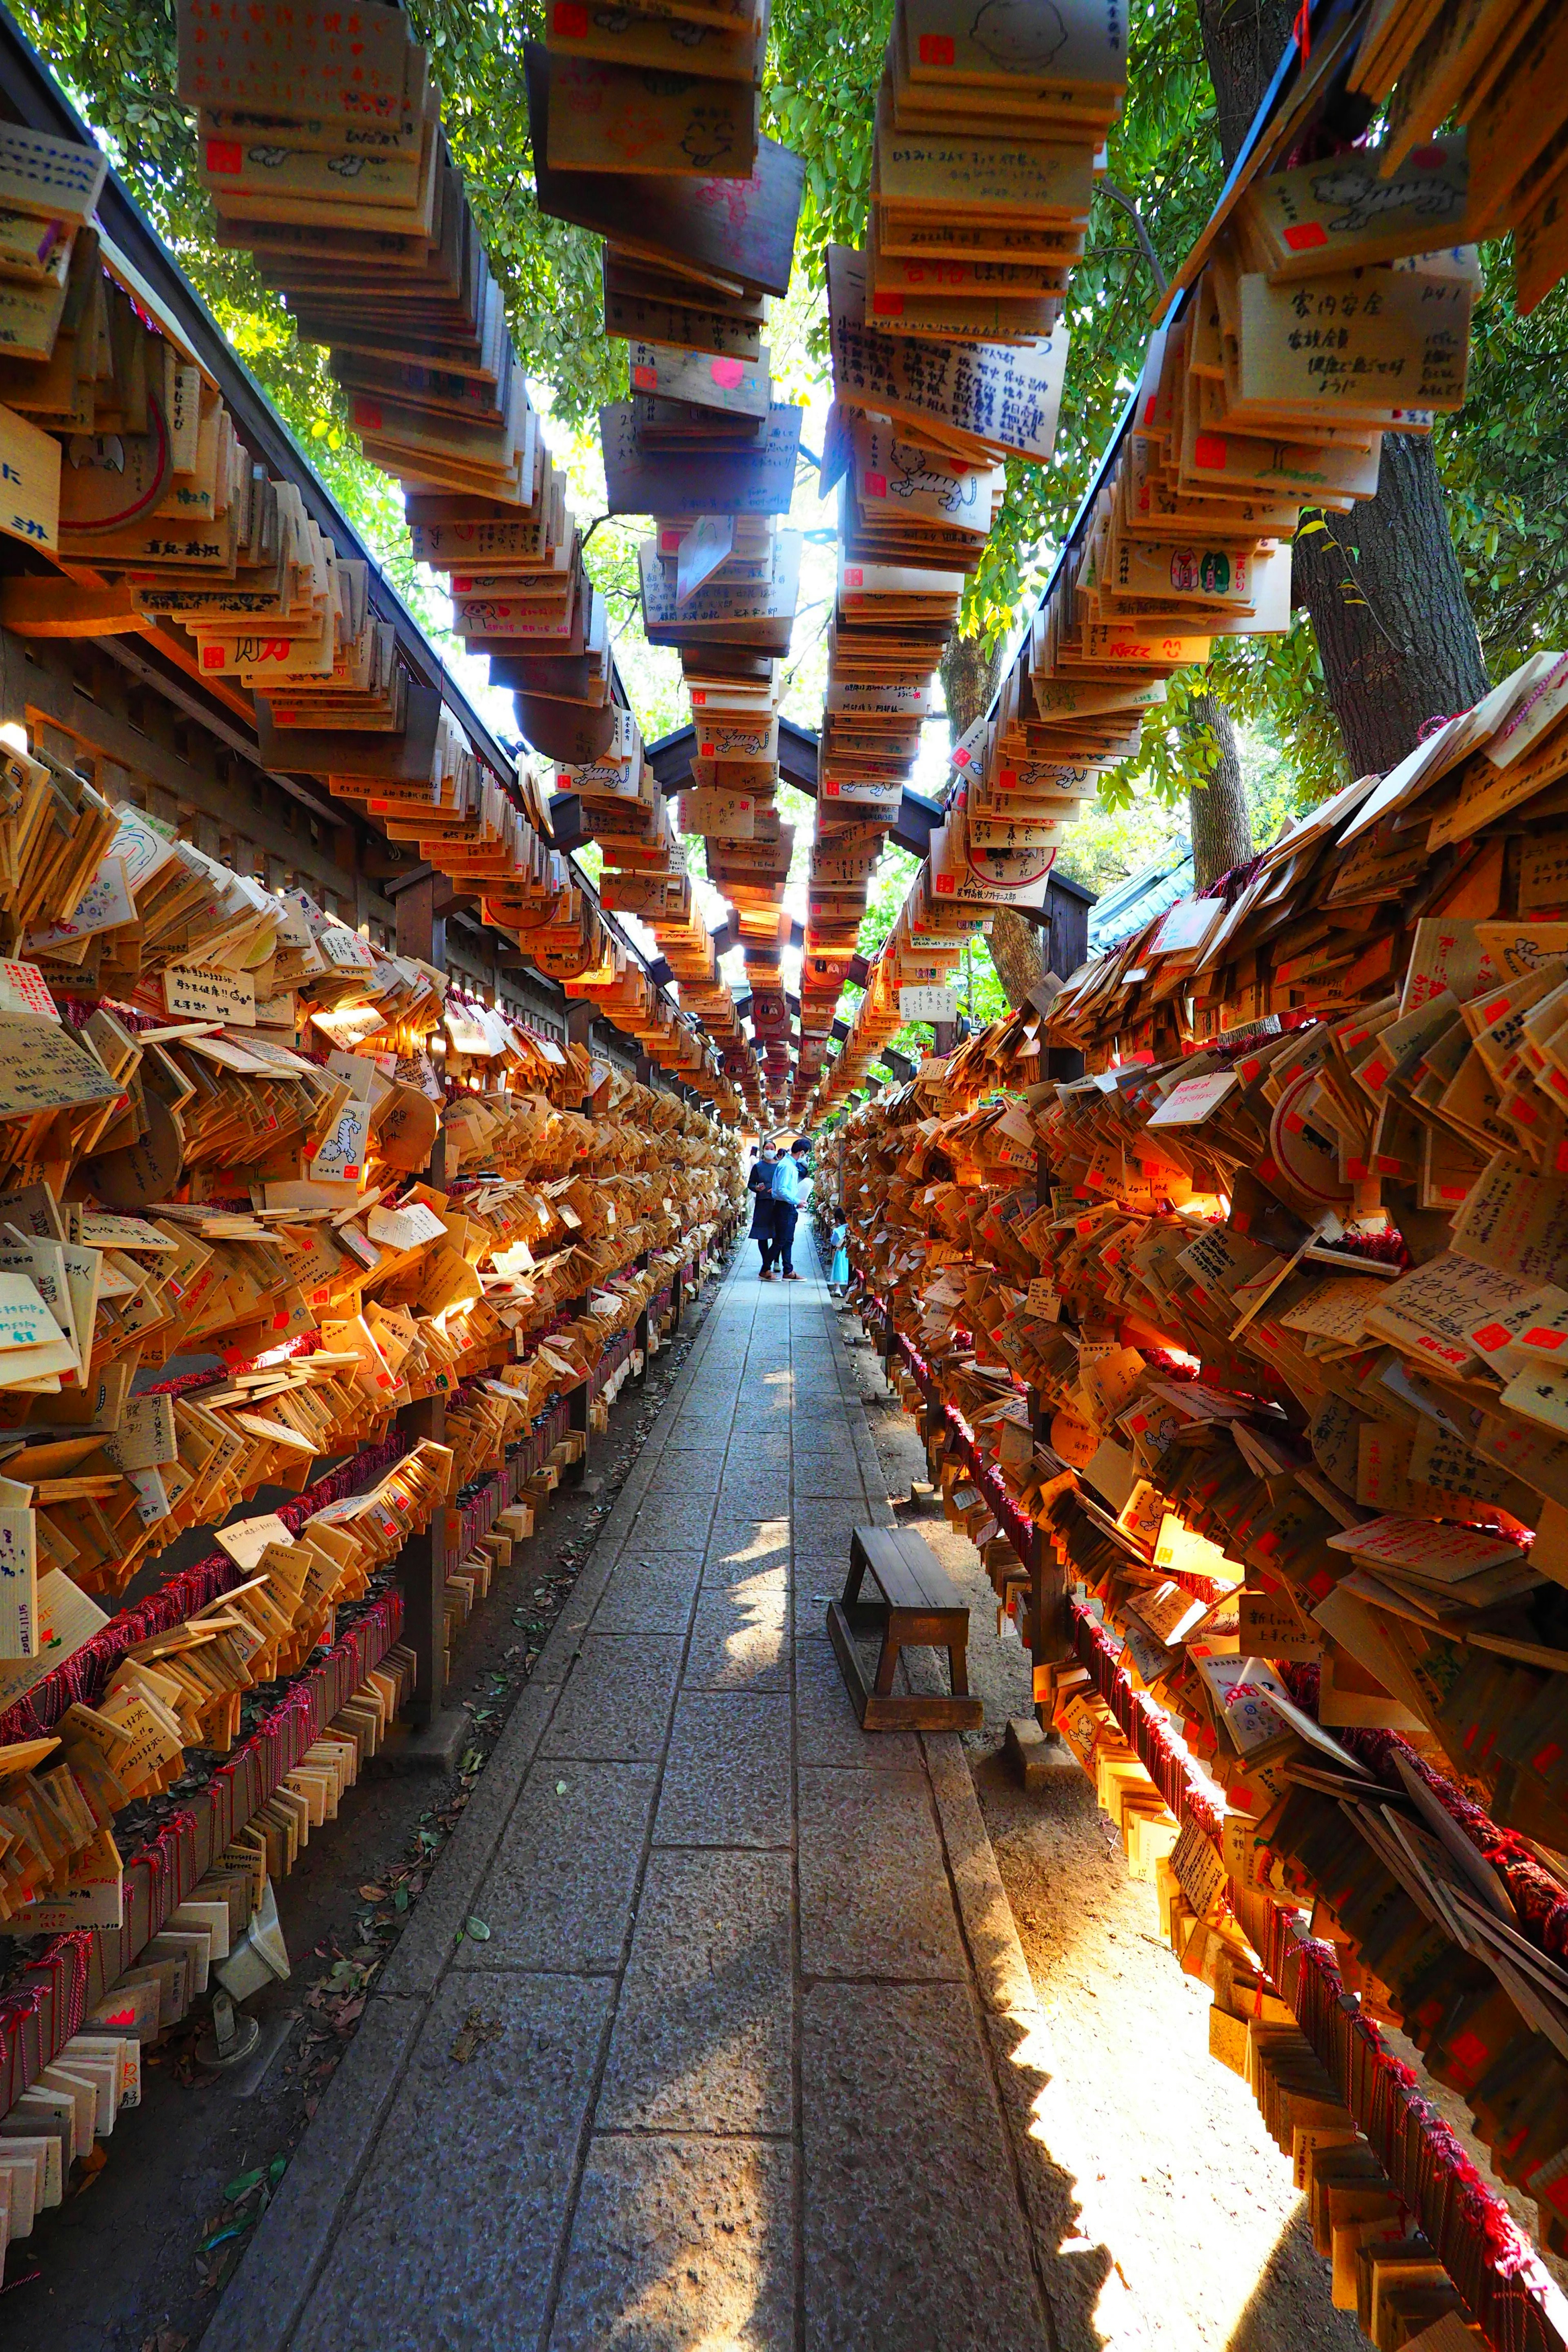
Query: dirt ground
x=1180, y=2227
x=132, y=2259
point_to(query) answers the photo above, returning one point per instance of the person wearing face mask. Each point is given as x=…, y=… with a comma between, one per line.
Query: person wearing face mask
x=765, y=1208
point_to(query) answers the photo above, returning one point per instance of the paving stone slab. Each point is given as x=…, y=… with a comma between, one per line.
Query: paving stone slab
x=673, y=1517
x=727, y=1781
x=705, y=2024
x=430, y=1936
x=823, y=1527
x=681, y=2245
x=699, y=1469
x=827, y=1730
x=558, y=1893
x=1001, y=1976
x=740, y=1641
x=913, y=2234
x=741, y=1545
x=815, y=1582
x=755, y=1491
x=651, y=1595
x=452, y=2237
x=616, y=1703
x=761, y=1589
x=263, y=2300
x=827, y=1470
x=874, y=1895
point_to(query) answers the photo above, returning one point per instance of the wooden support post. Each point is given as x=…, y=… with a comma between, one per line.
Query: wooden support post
x=423, y=1566
x=421, y=931
x=577, y=1419
x=579, y=1029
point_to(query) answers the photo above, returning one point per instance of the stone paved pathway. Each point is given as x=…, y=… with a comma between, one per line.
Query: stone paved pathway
x=751, y=2033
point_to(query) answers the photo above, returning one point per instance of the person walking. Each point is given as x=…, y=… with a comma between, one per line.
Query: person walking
x=786, y=1205
x=765, y=1208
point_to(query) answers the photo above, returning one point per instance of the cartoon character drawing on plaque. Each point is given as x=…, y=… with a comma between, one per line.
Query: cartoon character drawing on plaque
x=1367, y=199
x=913, y=478
x=1020, y=36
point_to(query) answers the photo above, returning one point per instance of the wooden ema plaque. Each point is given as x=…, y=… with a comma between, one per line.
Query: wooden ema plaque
x=729, y=229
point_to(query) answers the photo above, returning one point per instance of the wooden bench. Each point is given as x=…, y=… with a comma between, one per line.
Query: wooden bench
x=921, y=1606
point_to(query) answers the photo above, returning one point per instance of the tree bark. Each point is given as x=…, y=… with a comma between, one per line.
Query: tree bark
x=1221, y=823
x=1383, y=584
x=969, y=678
x=1395, y=634
x=1243, y=40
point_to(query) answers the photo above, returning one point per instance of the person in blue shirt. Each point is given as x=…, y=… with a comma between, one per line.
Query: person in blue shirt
x=786, y=1207
x=839, y=1275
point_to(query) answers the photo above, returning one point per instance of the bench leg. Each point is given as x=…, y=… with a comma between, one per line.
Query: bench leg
x=958, y=1671
x=886, y=1665
x=852, y=1582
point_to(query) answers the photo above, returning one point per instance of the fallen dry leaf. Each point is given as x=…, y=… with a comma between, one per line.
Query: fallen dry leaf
x=474, y=2031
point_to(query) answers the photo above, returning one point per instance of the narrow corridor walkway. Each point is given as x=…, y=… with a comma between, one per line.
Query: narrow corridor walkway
x=742, y=2060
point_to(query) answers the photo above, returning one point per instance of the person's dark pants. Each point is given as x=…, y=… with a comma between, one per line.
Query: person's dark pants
x=766, y=1237
x=784, y=1215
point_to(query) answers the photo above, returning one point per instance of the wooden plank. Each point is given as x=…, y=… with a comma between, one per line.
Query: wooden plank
x=848, y=1657
x=920, y=1712
x=908, y=1571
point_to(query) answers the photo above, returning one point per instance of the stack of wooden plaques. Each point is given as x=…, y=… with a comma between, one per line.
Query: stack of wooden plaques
x=924, y=944
x=921, y=422
x=130, y=1244
x=1326, y=923
x=326, y=158
x=360, y=221
x=989, y=125
x=702, y=447
x=1497, y=70
x=675, y=93
x=1186, y=542
x=625, y=812
x=694, y=250
x=722, y=588
x=54, y=320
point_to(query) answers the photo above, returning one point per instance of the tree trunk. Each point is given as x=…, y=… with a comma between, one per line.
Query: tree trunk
x=969, y=678
x=1395, y=634
x=1394, y=630
x=1222, y=825
x=1243, y=40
